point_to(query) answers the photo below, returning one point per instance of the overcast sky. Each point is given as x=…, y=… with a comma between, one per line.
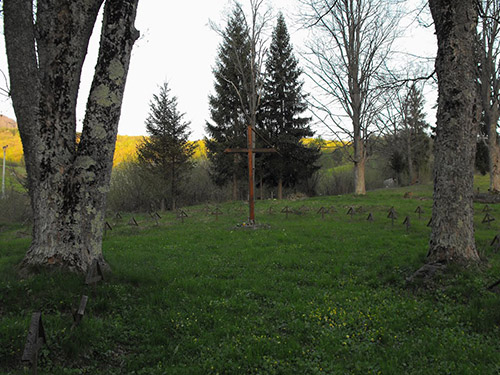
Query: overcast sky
x=177, y=45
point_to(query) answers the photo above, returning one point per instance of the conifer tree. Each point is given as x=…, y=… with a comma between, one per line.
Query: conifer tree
x=166, y=152
x=227, y=127
x=418, y=141
x=280, y=118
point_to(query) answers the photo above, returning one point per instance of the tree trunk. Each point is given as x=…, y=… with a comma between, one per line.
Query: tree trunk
x=235, y=187
x=261, y=187
x=489, y=84
x=409, y=158
x=452, y=235
x=280, y=189
x=68, y=181
x=494, y=156
x=491, y=115
x=359, y=166
x=172, y=188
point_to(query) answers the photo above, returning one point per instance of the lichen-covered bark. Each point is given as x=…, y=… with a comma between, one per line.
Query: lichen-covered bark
x=20, y=46
x=452, y=235
x=69, y=180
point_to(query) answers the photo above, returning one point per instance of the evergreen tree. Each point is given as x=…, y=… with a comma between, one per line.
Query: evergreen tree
x=166, y=152
x=409, y=146
x=280, y=115
x=418, y=127
x=227, y=127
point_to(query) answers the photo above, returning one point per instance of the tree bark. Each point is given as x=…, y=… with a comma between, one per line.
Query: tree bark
x=494, y=156
x=491, y=115
x=280, y=189
x=68, y=180
x=409, y=156
x=452, y=235
x=235, y=187
x=490, y=86
x=359, y=167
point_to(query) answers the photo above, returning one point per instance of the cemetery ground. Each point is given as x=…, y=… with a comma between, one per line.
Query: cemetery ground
x=311, y=292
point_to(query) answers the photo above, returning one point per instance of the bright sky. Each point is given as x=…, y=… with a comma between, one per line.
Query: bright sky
x=177, y=45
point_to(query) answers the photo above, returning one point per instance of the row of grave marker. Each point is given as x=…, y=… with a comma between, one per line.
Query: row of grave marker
x=36, y=333
x=181, y=214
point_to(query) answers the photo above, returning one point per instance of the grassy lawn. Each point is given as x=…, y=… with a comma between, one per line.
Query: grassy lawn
x=304, y=295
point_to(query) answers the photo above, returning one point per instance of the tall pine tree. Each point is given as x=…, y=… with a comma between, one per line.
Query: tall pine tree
x=166, y=152
x=280, y=118
x=227, y=127
x=418, y=140
x=410, y=144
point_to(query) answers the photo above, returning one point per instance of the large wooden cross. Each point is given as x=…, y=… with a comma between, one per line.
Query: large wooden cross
x=250, y=151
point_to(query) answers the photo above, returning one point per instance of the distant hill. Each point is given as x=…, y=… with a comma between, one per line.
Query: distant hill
x=7, y=123
x=126, y=146
x=125, y=149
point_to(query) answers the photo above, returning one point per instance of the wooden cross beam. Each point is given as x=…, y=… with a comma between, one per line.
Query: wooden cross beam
x=250, y=151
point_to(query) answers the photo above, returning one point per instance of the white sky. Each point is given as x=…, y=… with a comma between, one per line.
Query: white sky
x=177, y=45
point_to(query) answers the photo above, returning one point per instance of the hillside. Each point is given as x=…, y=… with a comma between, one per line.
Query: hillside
x=126, y=145
x=7, y=123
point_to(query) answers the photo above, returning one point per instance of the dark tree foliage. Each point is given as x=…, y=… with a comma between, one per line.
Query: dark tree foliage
x=410, y=144
x=280, y=120
x=417, y=128
x=167, y=151
x=227, y=128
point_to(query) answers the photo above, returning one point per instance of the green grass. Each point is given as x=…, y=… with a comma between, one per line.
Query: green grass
x=304, y=296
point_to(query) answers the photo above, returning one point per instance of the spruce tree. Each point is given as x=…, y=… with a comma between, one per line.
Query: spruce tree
x=166, y=152
x=417, y=126
x=280, y=118
x=227, y=127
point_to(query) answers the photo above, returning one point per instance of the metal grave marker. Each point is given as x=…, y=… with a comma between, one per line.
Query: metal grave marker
x=419, y=211
x=488, y=219
x=486, y=208
x=35, y=340
x=370, y=217
x=78, y=315
x=132, y=221
x=286, y=210
x=351, y=212
x=323, y=211
x=430, y=222
x=181, y=214
x=94, y=273
x=155, y=216
x=407, y=223
x=392, y=215
x=118, y=216
x=496, y=243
